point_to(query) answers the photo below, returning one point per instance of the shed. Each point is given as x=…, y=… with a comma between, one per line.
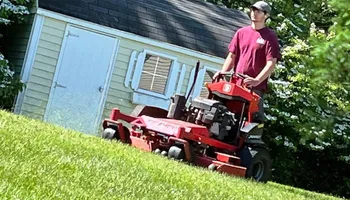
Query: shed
x=85, y=57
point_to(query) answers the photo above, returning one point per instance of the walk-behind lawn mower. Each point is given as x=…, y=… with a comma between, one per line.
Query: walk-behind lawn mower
x=222, y=132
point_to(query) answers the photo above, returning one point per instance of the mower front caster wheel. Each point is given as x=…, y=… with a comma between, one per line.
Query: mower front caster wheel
x=110, y=134
x=212, y=167
x=157, y=151
x=176, y=152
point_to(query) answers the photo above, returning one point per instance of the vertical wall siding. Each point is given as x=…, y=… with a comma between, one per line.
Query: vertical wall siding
x=41, y=76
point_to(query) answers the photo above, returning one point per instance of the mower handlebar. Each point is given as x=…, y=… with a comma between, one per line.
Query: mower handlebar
x=239, y=75
x=242, y=76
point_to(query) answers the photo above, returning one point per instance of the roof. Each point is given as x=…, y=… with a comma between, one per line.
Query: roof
x=193, y=24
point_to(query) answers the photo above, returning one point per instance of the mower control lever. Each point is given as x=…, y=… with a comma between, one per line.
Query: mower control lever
x=225, y=73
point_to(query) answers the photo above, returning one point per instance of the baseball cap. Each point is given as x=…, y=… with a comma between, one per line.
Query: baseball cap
x=263, y=6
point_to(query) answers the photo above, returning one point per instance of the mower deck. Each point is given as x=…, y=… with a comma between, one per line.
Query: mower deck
x=149, y=134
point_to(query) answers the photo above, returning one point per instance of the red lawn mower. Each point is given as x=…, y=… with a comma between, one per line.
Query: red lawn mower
x=221, y=132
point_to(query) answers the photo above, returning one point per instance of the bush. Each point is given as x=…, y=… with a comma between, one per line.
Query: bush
x=9, y=84
x=10, y=12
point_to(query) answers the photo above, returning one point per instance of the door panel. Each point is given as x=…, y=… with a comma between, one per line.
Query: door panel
x=80, y=82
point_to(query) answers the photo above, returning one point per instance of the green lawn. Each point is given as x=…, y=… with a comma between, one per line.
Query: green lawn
x=40, y=161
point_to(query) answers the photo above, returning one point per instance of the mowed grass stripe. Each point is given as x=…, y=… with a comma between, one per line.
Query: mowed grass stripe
x=42, y=161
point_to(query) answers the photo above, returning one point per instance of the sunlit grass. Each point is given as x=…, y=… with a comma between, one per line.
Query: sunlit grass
x=41, y=161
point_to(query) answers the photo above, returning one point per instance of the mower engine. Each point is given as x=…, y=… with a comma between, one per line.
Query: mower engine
x=213, y=114
x=220, y=122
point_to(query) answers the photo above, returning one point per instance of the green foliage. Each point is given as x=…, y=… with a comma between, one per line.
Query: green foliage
x=14, y=11
x=331, y=55
x=308, y=115
x=42, y=161
x=10, y=85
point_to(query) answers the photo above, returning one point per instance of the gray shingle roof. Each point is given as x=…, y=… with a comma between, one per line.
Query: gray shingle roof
x=193, y=24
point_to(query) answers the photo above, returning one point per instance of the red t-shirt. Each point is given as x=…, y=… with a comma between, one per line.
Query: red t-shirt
x=253, y=48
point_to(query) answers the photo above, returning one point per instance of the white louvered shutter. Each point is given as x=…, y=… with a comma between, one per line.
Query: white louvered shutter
x=155, y=73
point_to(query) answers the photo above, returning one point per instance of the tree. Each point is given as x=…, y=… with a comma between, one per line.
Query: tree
x=307, y=129
x=10, y=12
x=331, y=55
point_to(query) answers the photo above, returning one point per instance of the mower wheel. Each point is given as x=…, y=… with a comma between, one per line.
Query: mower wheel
x=258, y=163
x=164, y=153
x=176, y=153
x=110, y=134
x=212, y=167
x=157, y=151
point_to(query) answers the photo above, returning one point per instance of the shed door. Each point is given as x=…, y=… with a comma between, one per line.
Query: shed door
x=80, y=81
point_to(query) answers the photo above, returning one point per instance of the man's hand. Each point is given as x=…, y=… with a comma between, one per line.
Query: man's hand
x=216, y=74
x=251, y=82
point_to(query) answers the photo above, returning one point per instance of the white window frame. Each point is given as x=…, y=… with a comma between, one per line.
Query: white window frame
x=141, y=96
x=170, y=84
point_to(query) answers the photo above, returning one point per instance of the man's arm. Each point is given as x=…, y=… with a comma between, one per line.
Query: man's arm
x=267, y=71
x=231, y=57
x=264, y=74
x=229, y=62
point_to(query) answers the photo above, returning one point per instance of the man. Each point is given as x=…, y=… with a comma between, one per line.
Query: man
x=254, y=51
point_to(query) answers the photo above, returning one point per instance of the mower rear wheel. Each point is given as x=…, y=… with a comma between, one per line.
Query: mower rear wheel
x=258, y=163
x=176, y=153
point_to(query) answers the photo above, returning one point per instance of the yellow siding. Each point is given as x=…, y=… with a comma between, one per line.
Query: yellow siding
x=37, y=93
x=40, y=80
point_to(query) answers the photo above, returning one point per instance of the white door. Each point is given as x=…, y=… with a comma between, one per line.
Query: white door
x=80, y=80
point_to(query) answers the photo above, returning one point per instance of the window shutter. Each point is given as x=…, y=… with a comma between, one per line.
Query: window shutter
x=138, y=70
x=131, y=68
x=199, y=83
x=174, y=72
x=181, y=79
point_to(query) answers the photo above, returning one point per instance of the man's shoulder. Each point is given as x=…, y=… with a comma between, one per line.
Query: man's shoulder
x=271, y=32
x=244, y=29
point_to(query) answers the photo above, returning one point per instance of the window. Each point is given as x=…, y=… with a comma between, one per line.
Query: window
x=154, y=78
x=155, y=73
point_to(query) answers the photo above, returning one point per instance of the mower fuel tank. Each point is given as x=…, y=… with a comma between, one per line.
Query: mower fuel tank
x=208, y=107
x=205, y=104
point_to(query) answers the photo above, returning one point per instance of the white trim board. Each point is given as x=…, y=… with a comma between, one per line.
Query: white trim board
x=107, y=84
x=123, y=34
x=29, y=58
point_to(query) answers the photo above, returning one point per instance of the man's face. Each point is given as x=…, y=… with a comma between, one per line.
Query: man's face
x=257, y=15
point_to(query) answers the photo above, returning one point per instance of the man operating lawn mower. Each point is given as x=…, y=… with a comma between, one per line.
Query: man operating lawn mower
x=218, y=132
x=254, y=51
